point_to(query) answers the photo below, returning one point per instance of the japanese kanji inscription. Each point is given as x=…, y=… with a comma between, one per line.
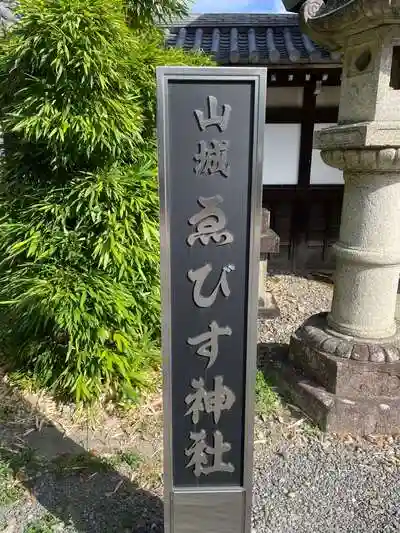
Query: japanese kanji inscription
x=210, y=223
x=211, y=270
x=210, y=183
x=201, y=453
x=209, y=342
x=221, y=121
x=215, y=401
x=212, y=158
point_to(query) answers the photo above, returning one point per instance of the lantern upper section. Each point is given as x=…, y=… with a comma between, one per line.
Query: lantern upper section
x=332, y=22
x=367, y=32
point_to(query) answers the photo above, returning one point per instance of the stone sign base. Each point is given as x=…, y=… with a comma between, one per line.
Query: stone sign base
x=343, y=383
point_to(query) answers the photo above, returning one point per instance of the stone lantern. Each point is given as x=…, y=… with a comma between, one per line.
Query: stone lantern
x=347, y=362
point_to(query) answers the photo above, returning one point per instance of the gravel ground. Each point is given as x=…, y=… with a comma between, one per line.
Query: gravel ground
x=102, y=502
x=310, y=482
x=329, y=486
x=297, y=298
x=304, y=481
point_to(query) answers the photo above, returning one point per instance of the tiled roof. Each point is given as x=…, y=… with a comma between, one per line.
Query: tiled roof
x=236, y=38
x=249, y=39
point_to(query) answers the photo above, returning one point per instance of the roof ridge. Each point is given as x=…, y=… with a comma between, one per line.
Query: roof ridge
x=235, y=19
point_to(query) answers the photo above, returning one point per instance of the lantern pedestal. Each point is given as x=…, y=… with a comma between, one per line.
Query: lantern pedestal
x=344, y=366
x=351, y=355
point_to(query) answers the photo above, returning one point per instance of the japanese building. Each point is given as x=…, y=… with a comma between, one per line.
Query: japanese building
x=303, y=194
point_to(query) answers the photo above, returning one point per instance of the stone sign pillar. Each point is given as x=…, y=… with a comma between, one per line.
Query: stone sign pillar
x=210, y=138
x=349, y=358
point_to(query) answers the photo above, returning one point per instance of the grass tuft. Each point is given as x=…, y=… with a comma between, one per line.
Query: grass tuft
x=267, y=400
x=46, y=524
x=10, y=491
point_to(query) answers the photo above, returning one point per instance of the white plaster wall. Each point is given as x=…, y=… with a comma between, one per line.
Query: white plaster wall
x=321, y=173
x=281, y=154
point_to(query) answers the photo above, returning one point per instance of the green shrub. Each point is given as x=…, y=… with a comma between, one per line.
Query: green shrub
x=143, y=12
x=79, y=247
x=79, y=227
x=67, y=102
x=80, y=272
x=150, y=53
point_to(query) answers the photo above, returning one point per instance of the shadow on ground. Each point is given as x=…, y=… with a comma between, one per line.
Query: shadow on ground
x=72, y=484
x=272, y=358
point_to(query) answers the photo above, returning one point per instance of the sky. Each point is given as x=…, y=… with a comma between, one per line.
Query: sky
x=238, y=6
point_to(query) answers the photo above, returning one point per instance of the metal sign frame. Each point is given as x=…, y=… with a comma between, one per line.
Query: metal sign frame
x=186, y=507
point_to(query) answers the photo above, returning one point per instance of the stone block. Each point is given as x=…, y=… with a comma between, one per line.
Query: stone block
x=267, y=306
x=343, y=376
x=269, y=239
x=269, y=242
x=332, y=412
x=358, y=135
x=339, y=413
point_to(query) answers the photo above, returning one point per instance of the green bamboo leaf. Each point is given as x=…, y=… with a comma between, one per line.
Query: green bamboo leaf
x=79, y=269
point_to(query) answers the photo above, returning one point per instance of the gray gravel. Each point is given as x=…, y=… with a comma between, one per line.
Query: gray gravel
x=101, y=502
x=297, y=299
x=332, y=487
x=313, y=482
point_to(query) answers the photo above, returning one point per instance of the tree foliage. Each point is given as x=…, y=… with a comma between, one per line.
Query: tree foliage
x=149, y=53
x=79, y=204
x=66, y=90
x=142, y=13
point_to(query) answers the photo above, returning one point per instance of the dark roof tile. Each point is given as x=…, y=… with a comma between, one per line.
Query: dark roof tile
x=239, y=38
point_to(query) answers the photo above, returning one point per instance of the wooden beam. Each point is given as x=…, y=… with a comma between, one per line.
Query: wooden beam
x=307, y=134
